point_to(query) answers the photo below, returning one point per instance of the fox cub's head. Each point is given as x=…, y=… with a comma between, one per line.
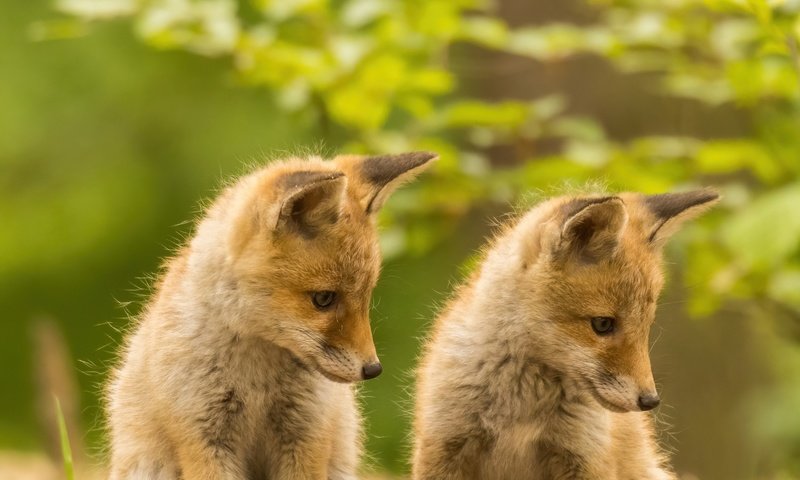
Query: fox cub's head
x=589, y=276
x=303, y=252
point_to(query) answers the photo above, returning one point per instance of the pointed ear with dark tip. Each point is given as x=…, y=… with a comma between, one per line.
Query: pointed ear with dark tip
x=374, y=178
x=592, y=229
x=310, y=201
x=671, y=210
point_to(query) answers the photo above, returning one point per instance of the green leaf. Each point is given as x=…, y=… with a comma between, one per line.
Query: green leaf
x=209, y=27
x=549, y=171
x=764, y=233
x=57, y=29
x=730, y=156
x=488, y=31
x=97, y=9
x=364, y=102
x=761, y=9
x=710, y=276
x=731, y=38
x=784, y=286
x=757, y=79
x=469, y=113
x=284, y=9
x=578, y=128
x=430, y=80
x=552, y=42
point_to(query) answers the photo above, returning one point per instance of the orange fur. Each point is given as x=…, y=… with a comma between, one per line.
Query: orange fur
x=515, y=381
x=235, y=369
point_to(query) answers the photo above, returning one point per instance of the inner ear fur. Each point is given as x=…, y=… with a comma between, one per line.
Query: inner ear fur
x=297, y=202
x=374, y=178
x=670, y=210
x=309, y=201
x=592, y=229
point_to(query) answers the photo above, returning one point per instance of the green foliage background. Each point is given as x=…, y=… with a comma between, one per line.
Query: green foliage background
x=106, y=146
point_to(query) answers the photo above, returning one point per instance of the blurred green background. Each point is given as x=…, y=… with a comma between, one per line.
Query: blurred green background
x=117, y=117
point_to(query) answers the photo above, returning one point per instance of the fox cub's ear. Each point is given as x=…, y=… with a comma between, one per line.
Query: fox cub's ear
x=310, y=200
x=374, y=178
x=670, y=210
x=591, y=229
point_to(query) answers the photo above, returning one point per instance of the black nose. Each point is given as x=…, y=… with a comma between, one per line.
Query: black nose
x=648, y=401
x=371, y=370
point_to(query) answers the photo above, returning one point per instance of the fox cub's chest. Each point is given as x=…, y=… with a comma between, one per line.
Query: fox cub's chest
x=558, y=449
x=547, y=423
x=262, y=392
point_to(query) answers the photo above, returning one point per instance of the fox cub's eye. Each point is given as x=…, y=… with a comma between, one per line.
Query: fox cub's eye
x=603, y=325
x=323, y=299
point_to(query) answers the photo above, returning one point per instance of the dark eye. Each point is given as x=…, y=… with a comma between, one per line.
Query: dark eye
x=324, y=299
x=603, y=325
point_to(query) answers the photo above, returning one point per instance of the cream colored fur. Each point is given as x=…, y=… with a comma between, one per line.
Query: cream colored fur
x=514, y=383
x=232, y=372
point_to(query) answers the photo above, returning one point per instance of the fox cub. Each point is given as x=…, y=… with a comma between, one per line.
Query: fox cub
x=241, y=364
x=539, y=368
